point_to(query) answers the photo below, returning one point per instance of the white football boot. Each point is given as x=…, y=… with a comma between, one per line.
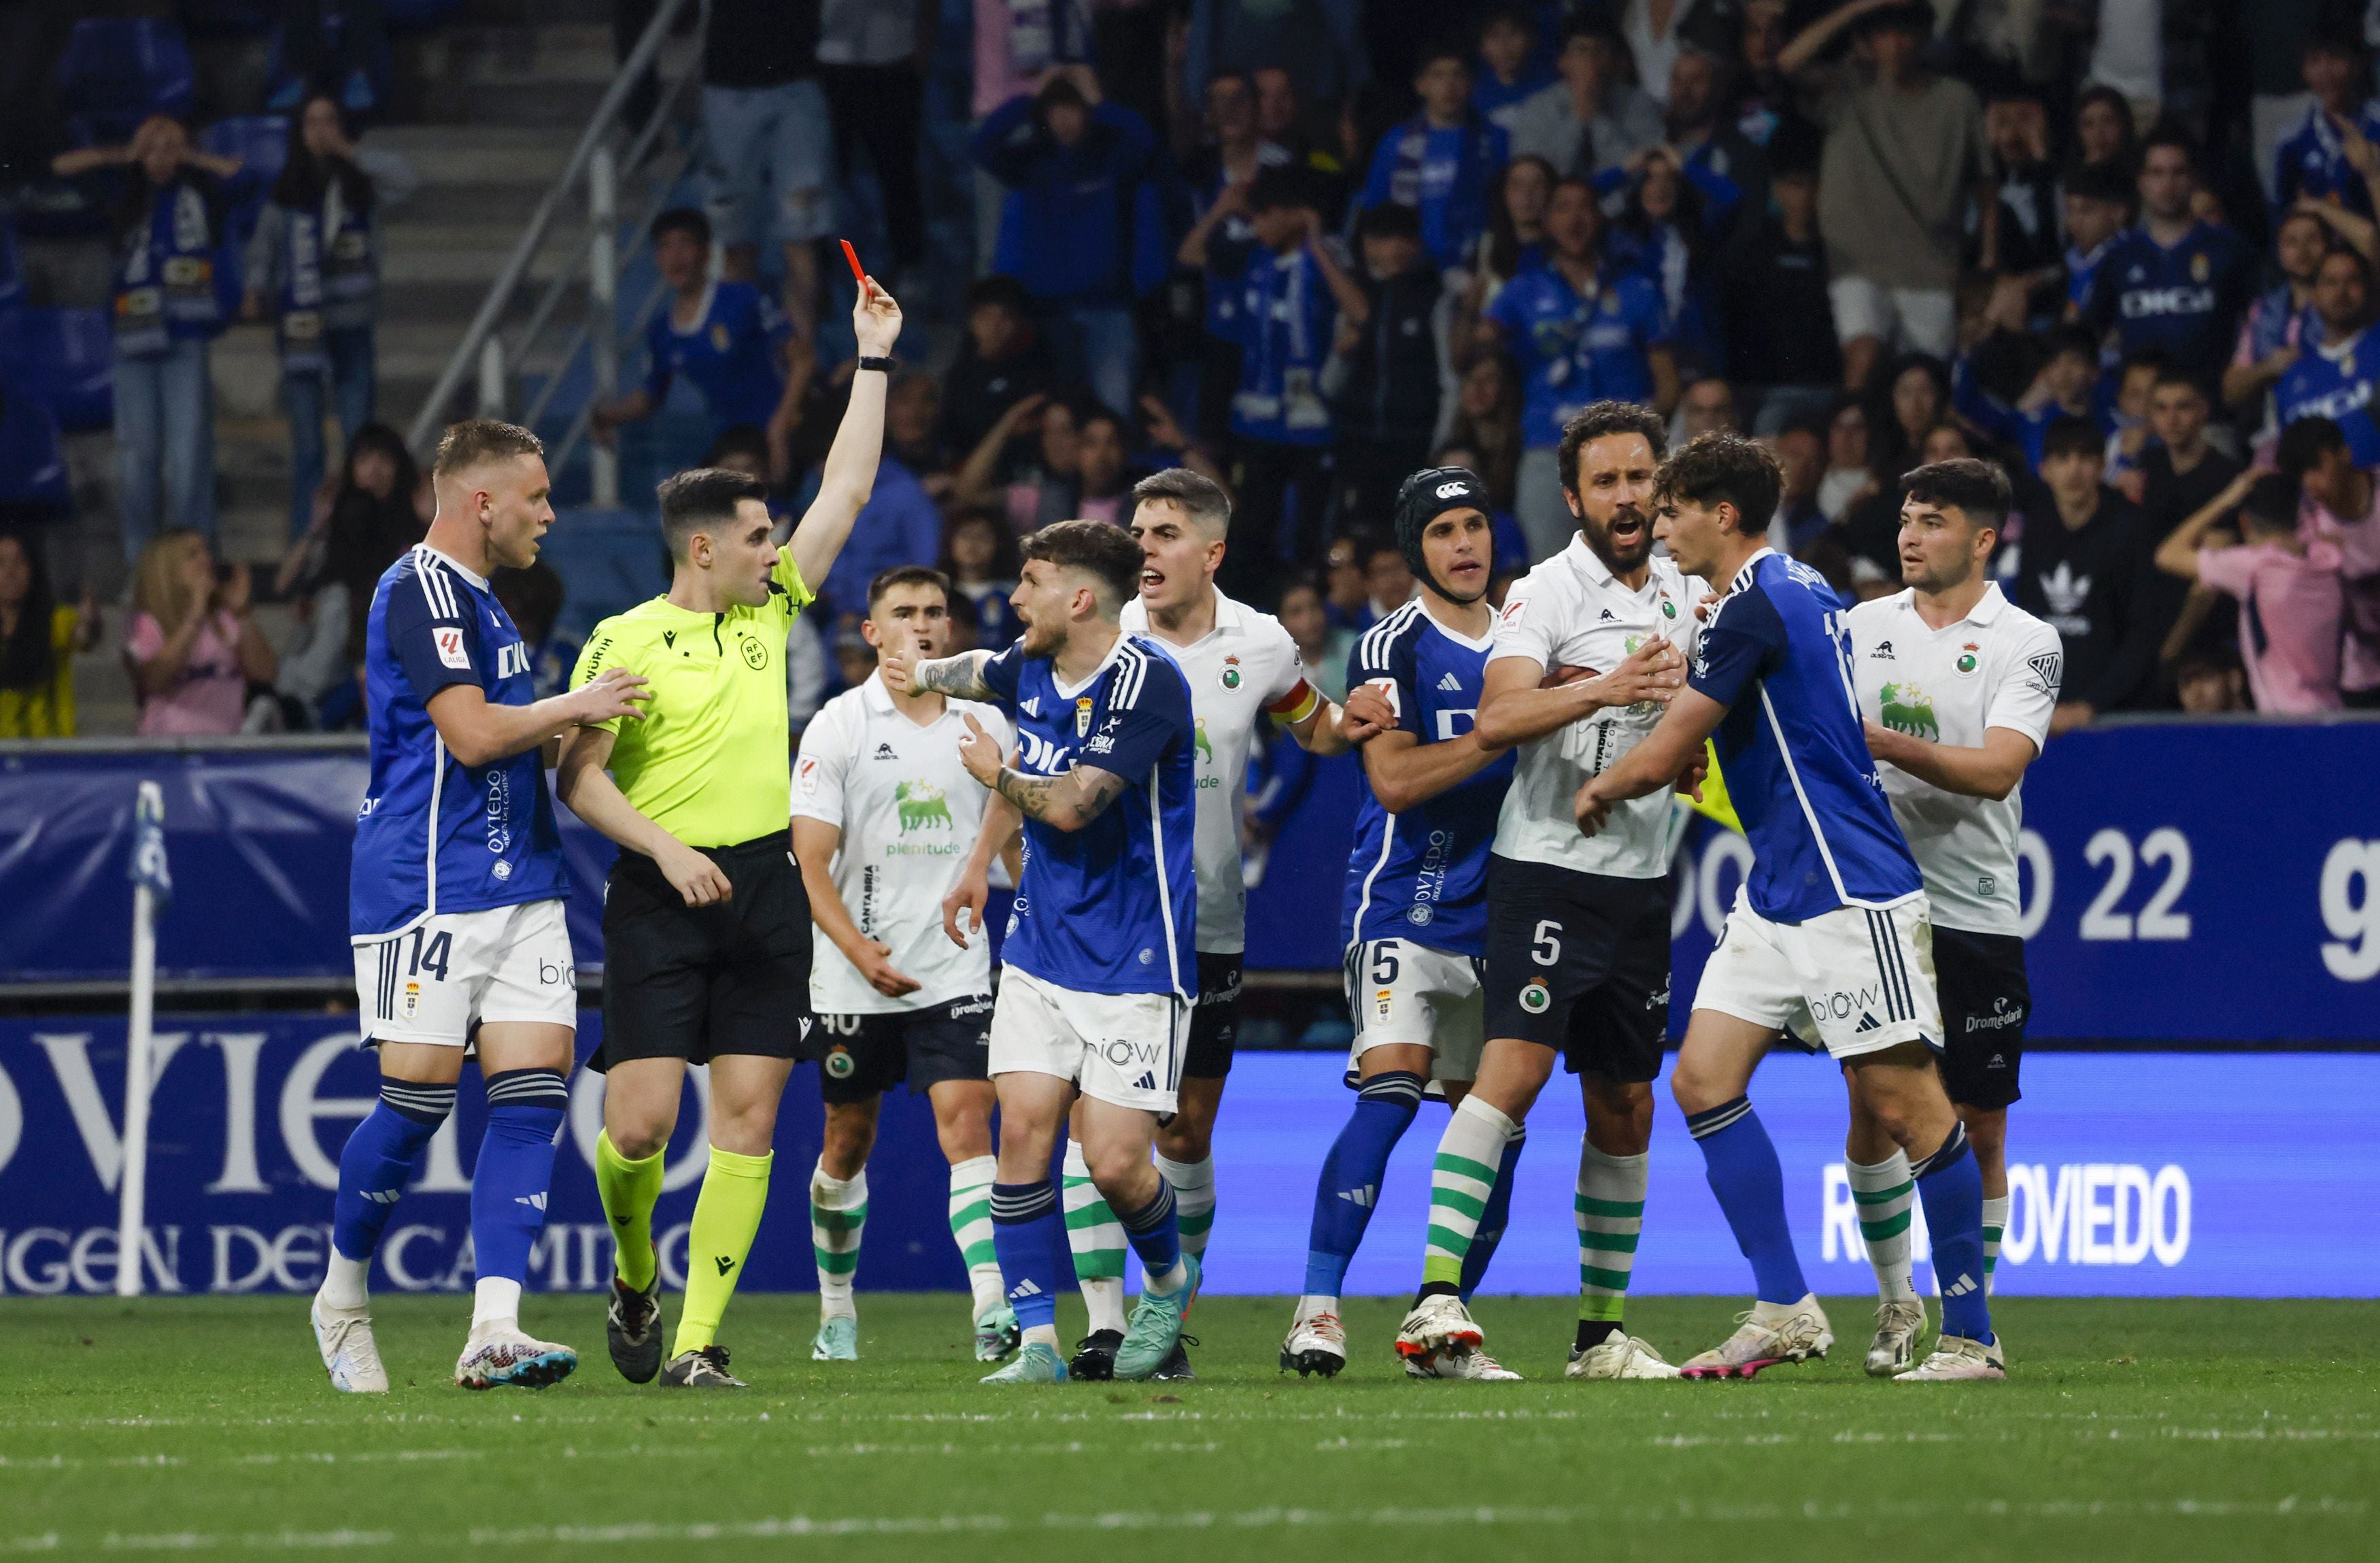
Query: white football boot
x=1897, y=1325
x=1771, y=1333
x=344, y=1336
x=1619, y=1356
x=1954, y=1357
x=1317, y=1342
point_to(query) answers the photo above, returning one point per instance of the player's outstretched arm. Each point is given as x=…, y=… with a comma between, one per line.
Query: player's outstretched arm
x=849, y=476
x=1515, y=707
x=1323, y=730
x=584, y=784
x=815, y=842
x=960, y=676
x=1990, y=772
x=1674, y=745
x=477, y=733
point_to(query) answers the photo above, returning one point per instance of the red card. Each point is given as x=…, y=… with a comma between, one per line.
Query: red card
x=853, y=256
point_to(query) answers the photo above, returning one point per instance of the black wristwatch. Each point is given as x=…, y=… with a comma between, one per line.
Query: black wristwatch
x=884, y=364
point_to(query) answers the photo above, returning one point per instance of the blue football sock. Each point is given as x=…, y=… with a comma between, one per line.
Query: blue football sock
x=1155, y=1234
x=1951, y=1186
x=1028, y=1235
x=508, y=1186
x=1741, y=1164
x=1492, y=1220
x=1352, y=1175
x=379, y=1160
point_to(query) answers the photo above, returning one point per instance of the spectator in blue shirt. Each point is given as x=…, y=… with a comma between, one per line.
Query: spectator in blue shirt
x=2319, y=158
x=2333, y=378
x=2177, y=282
x=727, y=338
x=2065, y=386
x=174, y=291
x=1081, y=226
x=1293, y=293
x=1510, y=66
x=1581, y=330
x=1443, y=161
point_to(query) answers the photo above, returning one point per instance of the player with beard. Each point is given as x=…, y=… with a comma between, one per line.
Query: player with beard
x=1578, y=928
x=1243, y=667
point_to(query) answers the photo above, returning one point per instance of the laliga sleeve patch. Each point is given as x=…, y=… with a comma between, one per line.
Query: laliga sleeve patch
x=449, y=641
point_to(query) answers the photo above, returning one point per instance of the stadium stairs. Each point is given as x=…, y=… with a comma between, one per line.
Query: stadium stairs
x=486, y=109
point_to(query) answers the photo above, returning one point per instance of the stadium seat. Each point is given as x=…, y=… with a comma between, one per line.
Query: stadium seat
x=33, y=461
x=116, y=72
x=61, y=360
x=261, y=141
x=609, y=560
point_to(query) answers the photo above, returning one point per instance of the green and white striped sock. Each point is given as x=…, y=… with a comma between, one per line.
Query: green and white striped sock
x=1193, y=1201
x=971, y=1184
x=1611, y=1211
x=1994, y=1223
x=1461, y=1177
x=838, y=1212
x=1096, y=1239
x=1885, y=1194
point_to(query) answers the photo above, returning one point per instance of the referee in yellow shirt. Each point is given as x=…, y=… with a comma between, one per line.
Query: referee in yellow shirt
x=705, y=927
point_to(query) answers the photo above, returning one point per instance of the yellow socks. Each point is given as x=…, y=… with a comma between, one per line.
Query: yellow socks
x=628, y=1189
x=726, y=1215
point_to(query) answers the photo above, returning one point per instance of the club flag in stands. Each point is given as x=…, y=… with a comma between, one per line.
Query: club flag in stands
x=149, y=864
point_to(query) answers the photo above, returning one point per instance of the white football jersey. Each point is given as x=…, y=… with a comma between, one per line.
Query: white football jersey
x=1572, y=612
x=1998, y=667
x=1243, y=669
x=909, y=813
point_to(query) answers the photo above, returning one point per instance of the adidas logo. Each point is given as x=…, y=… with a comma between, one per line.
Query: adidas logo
x=1364, y=1198
x=724, y=1263
x=1030, y=707
x=1960, y=1287
x=1448, y=681
x=1147, y=1080
x=1883, y=652
x=885, y=751
x=1604, y=616
x=1867, y=1022
x=1024, y=1288
x=535, y=1201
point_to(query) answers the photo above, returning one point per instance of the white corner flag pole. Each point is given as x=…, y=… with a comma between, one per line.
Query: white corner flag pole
x=149, y=877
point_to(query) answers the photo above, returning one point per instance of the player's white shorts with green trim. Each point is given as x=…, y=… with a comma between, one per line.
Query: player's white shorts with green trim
x=1855, y=980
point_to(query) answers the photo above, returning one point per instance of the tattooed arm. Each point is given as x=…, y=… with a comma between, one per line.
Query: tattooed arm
x=1064, y=802
x=960, y=676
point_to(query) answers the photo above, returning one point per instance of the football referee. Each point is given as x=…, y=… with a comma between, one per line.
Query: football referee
x=705, y=927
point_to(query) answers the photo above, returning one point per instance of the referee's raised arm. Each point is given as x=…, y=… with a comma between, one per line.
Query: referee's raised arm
x=850, y=473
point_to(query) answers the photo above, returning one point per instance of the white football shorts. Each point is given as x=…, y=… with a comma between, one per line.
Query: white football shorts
x=1853, y=981
x=437, y=980
x=1400, y=992
x=1125, y=1048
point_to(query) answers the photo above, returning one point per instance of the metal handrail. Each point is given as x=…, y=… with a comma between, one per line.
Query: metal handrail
x=556, y=289
x=466, y=357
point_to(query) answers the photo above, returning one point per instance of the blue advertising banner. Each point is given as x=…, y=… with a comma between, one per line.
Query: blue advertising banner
x=2141, y=1173
x=2182, y=883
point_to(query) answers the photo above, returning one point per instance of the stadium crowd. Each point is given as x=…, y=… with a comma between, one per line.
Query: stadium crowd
x=2126, y=252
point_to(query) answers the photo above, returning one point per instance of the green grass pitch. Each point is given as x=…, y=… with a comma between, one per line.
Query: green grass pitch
x=2164, y=1429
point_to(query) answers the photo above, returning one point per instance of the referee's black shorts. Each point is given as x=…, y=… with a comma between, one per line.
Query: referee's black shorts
x=1985, y=999
x=693, y=982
